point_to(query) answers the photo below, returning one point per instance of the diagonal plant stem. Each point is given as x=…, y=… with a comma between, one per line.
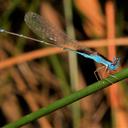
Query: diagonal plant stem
x=69, y=99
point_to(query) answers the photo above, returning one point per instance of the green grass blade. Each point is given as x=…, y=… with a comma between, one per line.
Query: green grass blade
x=69, y=99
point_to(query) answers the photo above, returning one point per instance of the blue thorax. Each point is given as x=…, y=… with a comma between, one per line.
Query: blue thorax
x=99, y=59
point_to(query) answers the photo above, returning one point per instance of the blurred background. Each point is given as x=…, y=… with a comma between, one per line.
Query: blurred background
x=33, y=75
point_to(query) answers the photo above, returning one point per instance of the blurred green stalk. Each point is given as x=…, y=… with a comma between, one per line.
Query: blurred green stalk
x=73, y=66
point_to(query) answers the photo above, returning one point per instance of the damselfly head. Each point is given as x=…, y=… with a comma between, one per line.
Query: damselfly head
x=115, y=64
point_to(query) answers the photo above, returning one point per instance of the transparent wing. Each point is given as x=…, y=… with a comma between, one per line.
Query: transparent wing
x=49, y=33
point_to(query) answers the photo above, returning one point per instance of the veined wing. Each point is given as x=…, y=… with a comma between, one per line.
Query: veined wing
x=49, y=33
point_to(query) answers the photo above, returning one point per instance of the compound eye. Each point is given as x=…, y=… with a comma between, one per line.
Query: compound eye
x=115, y=60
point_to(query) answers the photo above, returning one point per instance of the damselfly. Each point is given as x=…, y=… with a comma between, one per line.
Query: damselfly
x=52, y=36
